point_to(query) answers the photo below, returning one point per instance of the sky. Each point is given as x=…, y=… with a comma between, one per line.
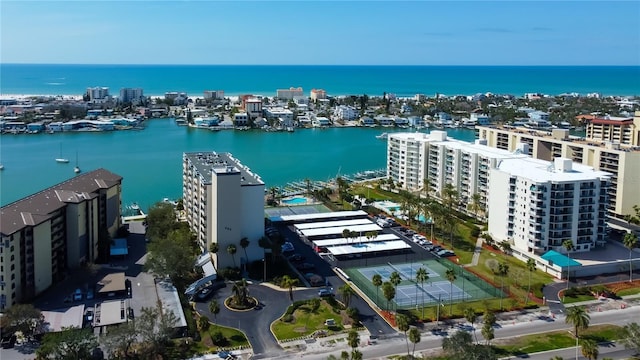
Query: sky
x=321, y=32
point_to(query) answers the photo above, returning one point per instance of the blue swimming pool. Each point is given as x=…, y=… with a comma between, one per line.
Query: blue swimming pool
x=295, y=201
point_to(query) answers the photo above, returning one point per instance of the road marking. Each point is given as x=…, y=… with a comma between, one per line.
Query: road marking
x=554, y=301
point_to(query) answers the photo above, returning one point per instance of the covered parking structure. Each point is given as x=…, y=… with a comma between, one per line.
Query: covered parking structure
x=368, y=248
x=328, y=224
x=333, y=232
x=358, y=240
x=326, y=216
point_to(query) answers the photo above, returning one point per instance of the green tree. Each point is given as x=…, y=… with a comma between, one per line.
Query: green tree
x=402, y=321
x=161, y=219
x=470, y=315
x=476, y=204
x=353, y=340
x=395, y=279
x=389, y=292
x=578, y=317
x=214, y=308
x=631, y=337
x=414, y=337
x=121, y=339
x=346, y=292
x=568, y=245
x=68, y=344
x=489, y=319
x=451, y=277
x=503, y=271
x=590, y=349
x=155, y=328
x=240, y=291
x=356, y=355
x=214, y=248
x=231, y=250
x=421, y=276
x=172, y=256
x=24, y=318
x=630, y=241
x=244, y=244
x=531, y=267
x=377, y=282
x=289, y=283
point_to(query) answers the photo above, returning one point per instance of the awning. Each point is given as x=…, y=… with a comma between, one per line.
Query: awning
x=555, y=258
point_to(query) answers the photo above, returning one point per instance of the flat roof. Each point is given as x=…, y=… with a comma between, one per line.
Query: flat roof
x=112, y=283
x=339, y=229
x=319, y=216
x=221, y=163
x=556, y=258
x=110, y=313
x=369, y=247
x=326, y=224
x=362, y=239
x=55, y=320
x=168, y=296
x=119, y=247
x=544, y=171
x=37, y=208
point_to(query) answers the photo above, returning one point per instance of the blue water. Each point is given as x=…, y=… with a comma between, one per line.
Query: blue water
x=336, y=80
x=150, y=161
x=295, y=201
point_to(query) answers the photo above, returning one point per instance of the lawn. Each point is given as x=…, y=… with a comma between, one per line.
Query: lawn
x=304, y=320
x=553, y=340
x=234, y=338
x=577, y=298
x=630, y=291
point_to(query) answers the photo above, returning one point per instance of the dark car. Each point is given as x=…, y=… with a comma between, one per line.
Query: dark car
x=325, y=292
x=8, y=341
x=296, y=258
x=305, y=266
x=204, y=294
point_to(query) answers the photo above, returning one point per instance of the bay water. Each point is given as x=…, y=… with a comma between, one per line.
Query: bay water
x=150, y=160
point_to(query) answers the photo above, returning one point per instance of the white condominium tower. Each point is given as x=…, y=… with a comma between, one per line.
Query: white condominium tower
x=620, y=159
x=224, y=202
x=537, y=205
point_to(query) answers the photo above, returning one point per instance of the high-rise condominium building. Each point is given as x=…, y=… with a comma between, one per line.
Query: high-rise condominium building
x=224, y=203
x=621, y=160
x=537, y=205
x=47, y=233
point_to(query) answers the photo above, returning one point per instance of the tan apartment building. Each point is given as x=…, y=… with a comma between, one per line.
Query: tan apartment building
x=622, y=130
x=621, y=160
x=47, y=233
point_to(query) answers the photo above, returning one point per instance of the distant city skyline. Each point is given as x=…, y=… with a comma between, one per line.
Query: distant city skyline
x=321, y=32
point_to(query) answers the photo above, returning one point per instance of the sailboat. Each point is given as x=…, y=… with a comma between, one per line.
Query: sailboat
x=77, y=168
x=61, y=159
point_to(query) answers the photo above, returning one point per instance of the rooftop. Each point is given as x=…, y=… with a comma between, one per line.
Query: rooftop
x=221, y=163
x=37, y=208
x=168, y=296
x=545, y=171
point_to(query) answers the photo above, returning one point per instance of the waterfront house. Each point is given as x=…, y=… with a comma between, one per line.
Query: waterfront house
x=206, y=122
x=367, y=121
x=346, y=113
x=241, y=119
x=321, y=121
x=415, y=121
x=35, y=127
x=400, y=121
x=278, y=112
x=384, y=121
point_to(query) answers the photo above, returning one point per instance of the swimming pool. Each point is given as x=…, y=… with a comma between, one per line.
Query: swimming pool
x=299, y=200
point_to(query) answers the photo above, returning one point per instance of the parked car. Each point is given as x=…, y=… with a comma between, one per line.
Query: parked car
x=445, y=253
x=77, y=295
x=295, y=258
x=90, y=294
x=287, y=247
x=325, y=292
x=305, y=266
x=88, y=316
x=204, y=294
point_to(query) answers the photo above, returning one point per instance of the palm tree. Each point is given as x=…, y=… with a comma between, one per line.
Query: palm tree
x=214, y=308
x=346, y=233
x=395, y=279
x=421, y=276
x=403, y=325
x=377, y=281
x=568, y=245
x=231, y=250
x=214, y=248
x=451, y=277
x=450, y=196
x=471, y=317
x=240, y=292
x=630, y=240
x=414, y=337
x=289, y=283
x=353, y=340
x=426, y=187
x=389, y=292
x=578, y=317
x=531, y=266
x=244, y=244
x=476, y=204
x=307, y=183
x=503, y=271
x=590, y=349
x=346, y=292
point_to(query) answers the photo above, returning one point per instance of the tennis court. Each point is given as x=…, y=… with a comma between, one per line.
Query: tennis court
x=411, y=293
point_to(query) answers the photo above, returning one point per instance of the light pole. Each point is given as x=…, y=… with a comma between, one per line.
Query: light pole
x=264, y=269
x=571, y=332
x=438, y=311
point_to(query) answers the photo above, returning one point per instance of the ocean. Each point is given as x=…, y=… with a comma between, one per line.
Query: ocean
x=403, y=81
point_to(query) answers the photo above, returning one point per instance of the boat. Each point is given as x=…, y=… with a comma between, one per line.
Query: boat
x=1, y=167
x=60, y=159
x=382, y=136
x=76, y=169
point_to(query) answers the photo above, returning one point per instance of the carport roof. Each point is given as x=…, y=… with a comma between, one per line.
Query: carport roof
x=555, y=258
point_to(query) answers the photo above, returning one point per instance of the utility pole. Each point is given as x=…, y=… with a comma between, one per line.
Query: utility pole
x=438, y=311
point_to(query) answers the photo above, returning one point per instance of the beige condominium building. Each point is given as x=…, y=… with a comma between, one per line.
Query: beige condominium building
x=224, y=203
x=621, y=160
x=54, y=230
